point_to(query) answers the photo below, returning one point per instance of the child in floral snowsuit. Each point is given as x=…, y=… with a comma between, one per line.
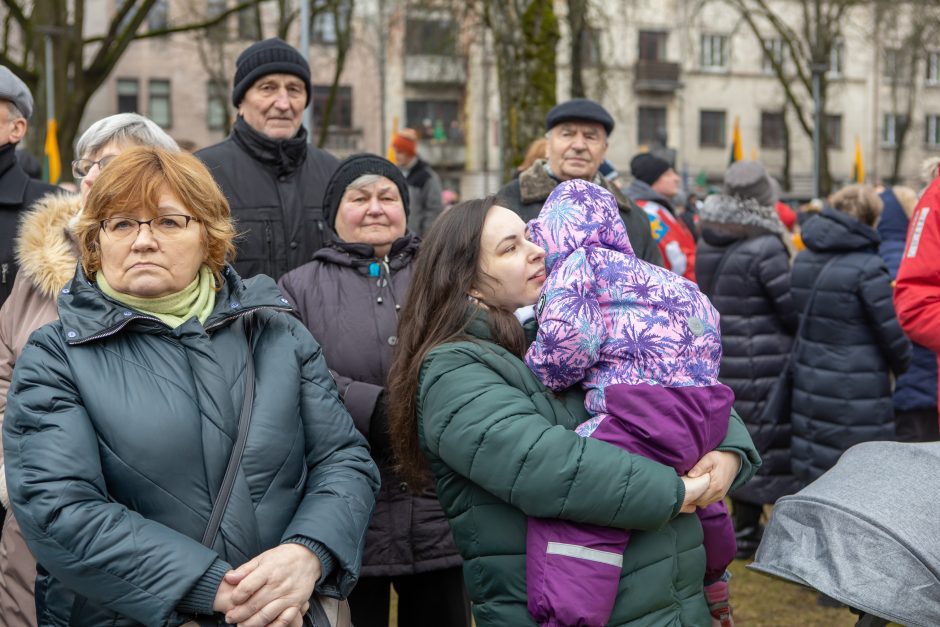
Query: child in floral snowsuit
x=645, y=344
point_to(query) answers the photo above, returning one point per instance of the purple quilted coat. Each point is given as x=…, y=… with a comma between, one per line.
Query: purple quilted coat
x=645, y=345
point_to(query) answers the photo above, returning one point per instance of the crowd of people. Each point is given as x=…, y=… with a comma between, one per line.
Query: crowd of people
x=257, y=385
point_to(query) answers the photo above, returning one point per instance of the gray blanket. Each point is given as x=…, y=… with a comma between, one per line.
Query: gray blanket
x=866, y=533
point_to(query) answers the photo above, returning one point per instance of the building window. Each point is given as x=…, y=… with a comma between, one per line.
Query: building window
x=435, y=120
x=324, y=28
x=893, y=65
x=217, y=105
x=128, y=90
x=933, y=68
x=249, y=23
x=932, y=128
x=160, y=110
x=651, y=126
x=341, y=116
x=836, y=57
x=711, y=131
x=772, y=130
x=431, y=37
x=157, y=19
x=893, y=126
x=714, y=52
x=652, y=45
x=773, y=51
x=834, y=131
x=215, y=8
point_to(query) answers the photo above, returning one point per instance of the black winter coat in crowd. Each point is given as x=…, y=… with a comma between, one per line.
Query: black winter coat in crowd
x=350, y=301
x=758, y=321
x=116, y=439
x=850, y=342
x=18, y=192
x=275, y=189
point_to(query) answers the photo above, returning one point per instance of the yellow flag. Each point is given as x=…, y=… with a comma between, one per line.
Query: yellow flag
x=390, y=154
x=858, y=168
x=737, y=152
x=51, y=163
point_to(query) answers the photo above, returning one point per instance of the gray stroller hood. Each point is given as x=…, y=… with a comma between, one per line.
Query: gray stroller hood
x=866, y=533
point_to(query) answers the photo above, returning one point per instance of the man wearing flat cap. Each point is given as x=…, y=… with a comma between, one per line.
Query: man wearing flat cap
x=17, y=190
x=576, y=134
x=273, y=179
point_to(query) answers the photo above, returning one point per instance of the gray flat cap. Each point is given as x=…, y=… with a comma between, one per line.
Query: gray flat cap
x=16, y=91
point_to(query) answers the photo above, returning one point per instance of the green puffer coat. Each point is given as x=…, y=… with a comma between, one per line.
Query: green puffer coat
x=502, y=448
x=117, y=435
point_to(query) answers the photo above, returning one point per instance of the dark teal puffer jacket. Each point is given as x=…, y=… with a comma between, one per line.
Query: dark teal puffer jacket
x=501, y=447
x=117, y=435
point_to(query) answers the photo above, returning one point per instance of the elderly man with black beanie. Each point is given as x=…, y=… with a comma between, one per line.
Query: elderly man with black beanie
x=577, y=134
x=349, y=297
x=273, y=179
x=654, y=185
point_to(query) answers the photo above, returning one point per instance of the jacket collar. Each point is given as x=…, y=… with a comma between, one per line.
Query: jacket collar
x=284, y=155
x=14, y=178
x=45, y=251
x=88, y=315
x=641, y=190
x=834, y=231
x=362, y=256
x=536, y=184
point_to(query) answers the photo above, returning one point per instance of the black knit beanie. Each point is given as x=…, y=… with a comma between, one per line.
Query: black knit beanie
x=352, y=168
x=648, y=168
x=271, y=56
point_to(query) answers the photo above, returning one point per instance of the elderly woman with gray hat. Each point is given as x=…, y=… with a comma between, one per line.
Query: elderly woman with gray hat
x=350, y=297
x=743, y=265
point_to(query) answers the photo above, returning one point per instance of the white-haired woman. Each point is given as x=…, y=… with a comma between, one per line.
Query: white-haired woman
x=47, y=256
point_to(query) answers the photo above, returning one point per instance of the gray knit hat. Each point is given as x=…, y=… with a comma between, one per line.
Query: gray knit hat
x=271, y=56
x=16, y=91
x=749, y=179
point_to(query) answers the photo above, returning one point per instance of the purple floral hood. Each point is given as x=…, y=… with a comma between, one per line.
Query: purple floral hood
x=578, y=214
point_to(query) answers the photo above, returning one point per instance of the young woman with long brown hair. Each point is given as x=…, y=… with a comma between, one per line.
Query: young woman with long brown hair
x=466, y=412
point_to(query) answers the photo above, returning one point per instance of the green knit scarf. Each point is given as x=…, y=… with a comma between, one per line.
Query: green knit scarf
x=196, y=299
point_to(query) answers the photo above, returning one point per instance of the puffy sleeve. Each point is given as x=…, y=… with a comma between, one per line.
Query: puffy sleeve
x=342, y=479
x=875, y=293
x=488, y=429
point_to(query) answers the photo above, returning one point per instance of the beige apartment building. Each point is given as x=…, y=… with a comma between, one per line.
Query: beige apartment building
x=678, y=71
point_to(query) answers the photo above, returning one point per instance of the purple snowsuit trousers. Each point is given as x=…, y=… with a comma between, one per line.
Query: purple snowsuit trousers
x=573, y=569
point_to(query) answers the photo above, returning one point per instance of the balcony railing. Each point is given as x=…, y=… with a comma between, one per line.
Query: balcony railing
x=342, y=142
x=434, y=69
x=443, y=154
x=656, y=76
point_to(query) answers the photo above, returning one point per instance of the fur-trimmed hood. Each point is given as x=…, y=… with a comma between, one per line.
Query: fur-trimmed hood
x=45, y=251
x=722, y=209
x=536, y=184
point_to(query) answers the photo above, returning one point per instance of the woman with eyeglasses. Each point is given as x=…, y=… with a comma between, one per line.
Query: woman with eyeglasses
x=175, y=447
x=47, y=256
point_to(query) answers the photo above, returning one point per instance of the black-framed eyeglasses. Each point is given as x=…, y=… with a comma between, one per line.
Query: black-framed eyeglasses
x=168, y=226
x=81, y=167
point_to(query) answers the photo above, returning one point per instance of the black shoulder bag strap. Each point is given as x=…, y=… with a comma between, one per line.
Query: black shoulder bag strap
x=721, y=266
x=806, y=312
x=235, y=459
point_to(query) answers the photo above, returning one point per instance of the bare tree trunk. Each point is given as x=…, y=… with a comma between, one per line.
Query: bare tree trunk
x=525, y=34
x=577, y=23
x=342, y=13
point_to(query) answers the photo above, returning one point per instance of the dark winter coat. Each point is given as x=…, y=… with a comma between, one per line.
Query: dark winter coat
x=916, y=389
x=502, y=447
x=757, y=326
x=117, y=435
x=350, y=301
x=526, y=194
x=426, y=194
x=18, y=192
x=850, y=343
x=275, y=189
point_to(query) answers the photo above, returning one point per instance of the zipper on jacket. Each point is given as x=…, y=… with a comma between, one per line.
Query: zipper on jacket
x=4, y=270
